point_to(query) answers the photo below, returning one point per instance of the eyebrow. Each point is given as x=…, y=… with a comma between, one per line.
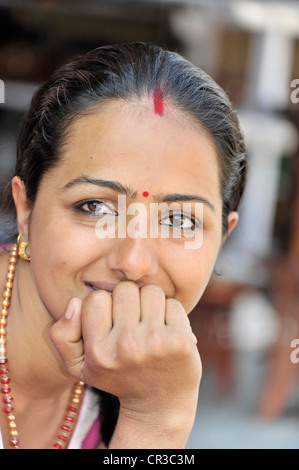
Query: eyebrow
x=184, y=197
x=124, y=189
x=114, y=185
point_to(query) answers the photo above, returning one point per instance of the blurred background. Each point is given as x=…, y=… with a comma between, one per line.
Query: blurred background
x=246, y=320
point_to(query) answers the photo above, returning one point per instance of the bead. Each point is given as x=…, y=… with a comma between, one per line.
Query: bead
x=5, y=390
x=14, y=442
x=4, y=312
x=72, y=409
x=13, y=433
x=4, y=371
x=8, y=285
x=7, y=400
x=12, y=259
x=77, y=391
x=7, y=294
x=3, y=360
x=66, y=428
x=2, y=340
x=2, y=350
x=10, y=276
x=3, y=321
x=11, y=417
x=5, y=303
x=80, y=383
x=57, y=446
x=5, y=380
x=69, y=418
x=12, y=425
x=75, y=400
x=7, y=409
x=2, y=331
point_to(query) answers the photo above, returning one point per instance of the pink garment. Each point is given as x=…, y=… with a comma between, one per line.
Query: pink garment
x=93, y=437
x=87, y=432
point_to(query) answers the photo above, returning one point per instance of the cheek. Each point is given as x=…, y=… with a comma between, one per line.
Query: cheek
x=60, y=254
x=192, y=273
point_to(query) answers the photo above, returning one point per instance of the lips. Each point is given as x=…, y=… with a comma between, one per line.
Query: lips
x=99, y=285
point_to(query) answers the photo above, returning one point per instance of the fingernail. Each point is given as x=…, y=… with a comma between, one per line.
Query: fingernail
x=69, y=311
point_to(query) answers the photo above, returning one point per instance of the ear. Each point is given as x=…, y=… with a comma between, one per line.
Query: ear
x=23, y=208
x=232, y=220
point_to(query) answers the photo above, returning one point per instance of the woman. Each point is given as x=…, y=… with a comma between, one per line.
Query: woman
x=108, y=315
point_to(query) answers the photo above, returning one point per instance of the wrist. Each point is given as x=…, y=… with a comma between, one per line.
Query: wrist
x=167, y=427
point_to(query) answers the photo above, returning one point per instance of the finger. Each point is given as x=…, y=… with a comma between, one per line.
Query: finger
x=66, y=335
x=96, y=317
x=126, y=305
x=175, y=313
x=177, y=318
x=152, y=300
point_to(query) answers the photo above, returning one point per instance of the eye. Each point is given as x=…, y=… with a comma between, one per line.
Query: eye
x=182, y=221
x=96, y=208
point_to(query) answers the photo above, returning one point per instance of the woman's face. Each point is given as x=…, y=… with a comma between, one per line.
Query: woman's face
x=140, y=151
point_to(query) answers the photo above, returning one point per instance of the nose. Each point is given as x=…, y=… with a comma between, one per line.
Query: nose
x=135, y=257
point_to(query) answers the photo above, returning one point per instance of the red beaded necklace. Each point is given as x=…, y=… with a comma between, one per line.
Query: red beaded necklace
x=71, y=412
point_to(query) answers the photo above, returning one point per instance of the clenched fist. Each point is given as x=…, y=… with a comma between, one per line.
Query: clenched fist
x=139, y=346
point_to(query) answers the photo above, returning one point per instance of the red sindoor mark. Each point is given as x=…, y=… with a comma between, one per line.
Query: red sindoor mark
x=158, y=96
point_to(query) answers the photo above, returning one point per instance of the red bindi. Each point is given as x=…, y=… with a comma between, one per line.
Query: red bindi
x=145, y=193
x=158, y=97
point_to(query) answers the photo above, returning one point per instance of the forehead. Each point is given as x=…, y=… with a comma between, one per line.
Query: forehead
x=139, y=147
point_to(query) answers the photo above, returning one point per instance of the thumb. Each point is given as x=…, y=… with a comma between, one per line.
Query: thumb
x=66, y=335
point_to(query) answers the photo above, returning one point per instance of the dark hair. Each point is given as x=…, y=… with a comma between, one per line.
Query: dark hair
x=127, y=71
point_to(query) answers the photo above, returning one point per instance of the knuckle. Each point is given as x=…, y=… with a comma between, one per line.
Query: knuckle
x=184, y=348
x=95, y=297
x=96, y=301
x=56, y=333
x=179, y=347
x=173, y=346
x=152, y=289
x=125, y=285
x=175, y=305
x=124, y=289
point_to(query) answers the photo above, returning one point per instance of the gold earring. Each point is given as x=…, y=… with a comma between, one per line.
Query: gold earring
x=22, y=249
